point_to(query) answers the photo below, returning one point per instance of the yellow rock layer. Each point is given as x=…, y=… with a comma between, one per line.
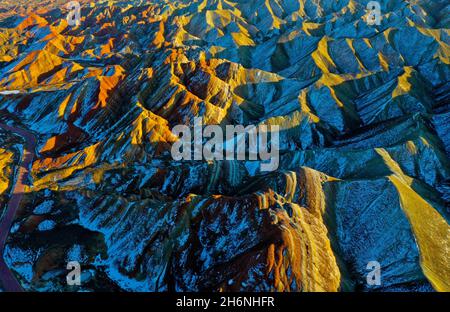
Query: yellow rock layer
x=6, y=161
x=432, y=233
x=430, y=229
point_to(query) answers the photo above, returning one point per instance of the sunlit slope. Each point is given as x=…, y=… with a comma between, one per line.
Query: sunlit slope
x=9, y=155
x=432, y=232
x=6, y=161
x=6, y=177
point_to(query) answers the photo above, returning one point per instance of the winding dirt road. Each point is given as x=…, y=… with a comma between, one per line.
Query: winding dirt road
x=7, y=278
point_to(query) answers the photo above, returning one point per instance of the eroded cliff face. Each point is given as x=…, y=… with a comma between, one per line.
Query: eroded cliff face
x=364, y=144
x=6, y=169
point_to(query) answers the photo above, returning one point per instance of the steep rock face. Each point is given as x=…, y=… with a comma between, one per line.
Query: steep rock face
x=371, y=226
x=364, y=144
x=9, y=154
x=6, y=168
